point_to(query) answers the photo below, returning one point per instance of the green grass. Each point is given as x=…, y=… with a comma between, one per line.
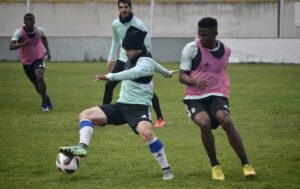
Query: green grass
x=265, y=106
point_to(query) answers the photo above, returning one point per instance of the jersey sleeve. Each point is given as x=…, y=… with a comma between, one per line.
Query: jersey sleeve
x=41, y=32
x=141, y=25
x=17, y=35
x=147, y=42
x=162, y=70
x=188, y=53
x=115, y=45
x=143, y=68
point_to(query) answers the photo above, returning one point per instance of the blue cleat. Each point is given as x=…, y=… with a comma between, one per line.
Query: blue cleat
x=49, y=104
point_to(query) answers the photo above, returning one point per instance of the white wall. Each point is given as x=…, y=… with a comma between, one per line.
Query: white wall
x=167, y=49
x=245, y=20
x=82, y=31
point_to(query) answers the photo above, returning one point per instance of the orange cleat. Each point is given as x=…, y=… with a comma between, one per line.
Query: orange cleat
x=160, y=123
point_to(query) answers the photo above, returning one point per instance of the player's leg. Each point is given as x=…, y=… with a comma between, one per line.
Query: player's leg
x=86, y=129
x=40, y=84
x=160, y=122
x=32, y=76
x=203, y=121
x=235, y=140
x=144, y=128
x=139, y=119
x=196, y=110
x=111, y=85
x=109, y=91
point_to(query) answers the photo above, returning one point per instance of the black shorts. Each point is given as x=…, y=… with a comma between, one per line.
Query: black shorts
x=119, y=113
x=211, y=105
x=29, y=69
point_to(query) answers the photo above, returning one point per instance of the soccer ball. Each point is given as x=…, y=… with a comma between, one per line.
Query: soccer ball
x=67, y=164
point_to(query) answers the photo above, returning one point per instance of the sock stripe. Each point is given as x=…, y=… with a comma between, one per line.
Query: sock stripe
x=156, y=146
x=86, y=123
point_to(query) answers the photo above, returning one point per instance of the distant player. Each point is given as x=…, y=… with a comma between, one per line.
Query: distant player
x=31, y=41
x=119, y=27
x=203, y=70
x=134, y=103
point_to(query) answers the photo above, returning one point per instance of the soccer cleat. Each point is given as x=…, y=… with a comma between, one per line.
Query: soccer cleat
x=168, y=174
x=73, y=151
x=49, y=104
x=217, y=173
x=45, y=107
x=160, y=122
x=248, y=171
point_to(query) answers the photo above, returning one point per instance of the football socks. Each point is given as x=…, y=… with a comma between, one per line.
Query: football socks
x=86, y=131
x=157, y=150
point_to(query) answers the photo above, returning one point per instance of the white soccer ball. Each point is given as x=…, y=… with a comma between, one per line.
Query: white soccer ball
x=67, y=164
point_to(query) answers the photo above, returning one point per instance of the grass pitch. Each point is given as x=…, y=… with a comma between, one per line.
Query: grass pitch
x=265, y=106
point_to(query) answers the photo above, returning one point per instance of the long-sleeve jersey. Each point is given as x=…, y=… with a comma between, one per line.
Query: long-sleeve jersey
x=137, y=86
x=119, y=31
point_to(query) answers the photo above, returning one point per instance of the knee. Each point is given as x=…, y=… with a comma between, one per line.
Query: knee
x=224, y=119
x=145, y=131
x=204, y=124
x=147, y=135
x=39, y=77
x=84, y=115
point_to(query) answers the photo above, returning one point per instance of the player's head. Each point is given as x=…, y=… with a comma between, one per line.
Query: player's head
x=207, y=31
x=124, y=7
x=133, y=42
x=29, y=20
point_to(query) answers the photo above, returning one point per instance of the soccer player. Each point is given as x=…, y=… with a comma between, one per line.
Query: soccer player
x=134, y=103
x=119, y=27
x=203, y=70
x=31, y=41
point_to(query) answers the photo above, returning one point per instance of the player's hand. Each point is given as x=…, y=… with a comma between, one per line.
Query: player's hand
x=48, y=56
x=26, y=42
x=100, y=77
x=173, y=72
x=110, y=65
x=202, y=84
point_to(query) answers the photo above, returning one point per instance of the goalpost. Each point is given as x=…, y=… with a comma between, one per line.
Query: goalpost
x=27, y=6
x=152, y=18
x=280, y=19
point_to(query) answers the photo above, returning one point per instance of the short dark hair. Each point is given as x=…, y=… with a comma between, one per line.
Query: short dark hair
x=125, y=2
x=208, y=22
x=29, y=14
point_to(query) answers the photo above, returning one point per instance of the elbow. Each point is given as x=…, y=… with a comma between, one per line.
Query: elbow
x=12, y=46
x=180, y=79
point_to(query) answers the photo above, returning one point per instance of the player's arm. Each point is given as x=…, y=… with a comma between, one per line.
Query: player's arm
x=141, y=69
x=115, y=47
x=45, y=43
x=188, y=53
x=163, y=71
x=15, y=45
x=14, y=41
x=184, y=78
x=147, y=42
